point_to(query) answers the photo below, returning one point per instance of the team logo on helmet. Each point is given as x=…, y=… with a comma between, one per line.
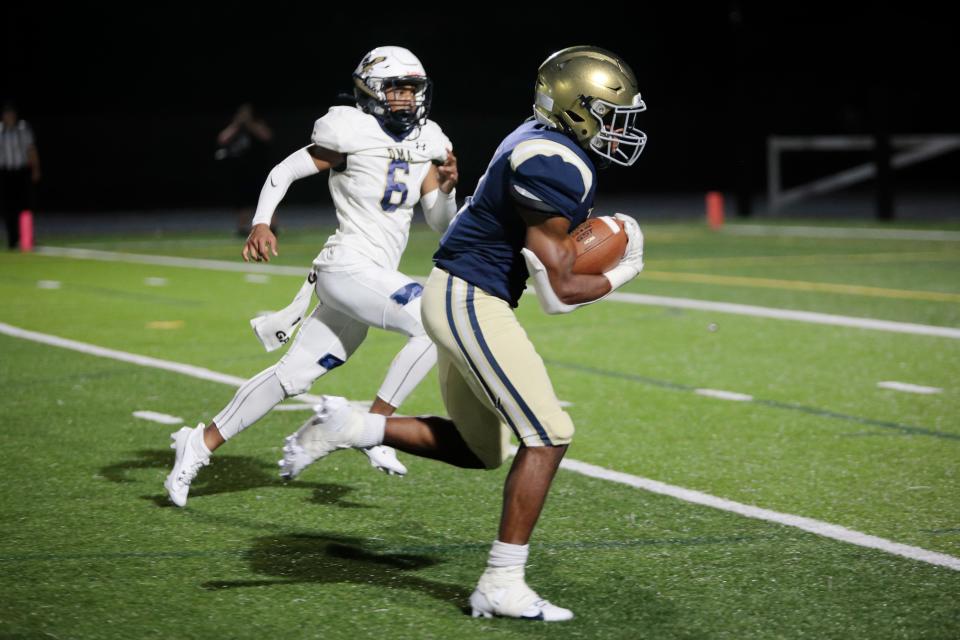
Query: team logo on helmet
x=393, y=69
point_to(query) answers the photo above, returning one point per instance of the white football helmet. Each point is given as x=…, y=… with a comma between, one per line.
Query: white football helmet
x=387, y=67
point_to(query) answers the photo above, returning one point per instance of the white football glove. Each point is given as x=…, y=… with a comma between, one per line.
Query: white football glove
x=631, y=264
x=634, y=253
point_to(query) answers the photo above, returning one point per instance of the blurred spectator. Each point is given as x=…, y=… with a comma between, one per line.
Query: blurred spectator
x=242, y=151
x=19, y=170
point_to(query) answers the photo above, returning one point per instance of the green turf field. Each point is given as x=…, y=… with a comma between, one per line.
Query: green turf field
x=90, y=547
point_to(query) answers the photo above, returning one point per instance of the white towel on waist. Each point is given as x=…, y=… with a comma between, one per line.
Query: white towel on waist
x=275, y=329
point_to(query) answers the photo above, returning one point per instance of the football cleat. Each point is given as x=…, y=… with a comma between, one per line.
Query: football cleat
x=295, y=458
x=385, y=459
x=512, y=599
x=186, y=464
x=334, y=425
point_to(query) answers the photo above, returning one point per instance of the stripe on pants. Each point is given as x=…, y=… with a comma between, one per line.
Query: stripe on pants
x=501, y=374
x=502, y=399
x=473, y=367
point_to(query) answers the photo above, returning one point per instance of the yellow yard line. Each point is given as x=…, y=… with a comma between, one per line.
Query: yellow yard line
x=798, y=285
x=827, y=258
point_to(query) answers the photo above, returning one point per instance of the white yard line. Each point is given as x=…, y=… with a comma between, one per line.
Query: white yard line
x=909, y=388
x=632, y=298
x=841, y=232
x=154, y=416
x=131, y=358
x=811, y=317
x=817, y=527
x=723, y=395
x=825, y=529
x=171, y=261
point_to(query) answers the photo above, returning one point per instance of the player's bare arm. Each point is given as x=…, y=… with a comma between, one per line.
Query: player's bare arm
x=549, y=238
x=262, y=242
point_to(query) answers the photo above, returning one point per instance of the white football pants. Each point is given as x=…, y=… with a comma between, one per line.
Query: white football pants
x=351, y=301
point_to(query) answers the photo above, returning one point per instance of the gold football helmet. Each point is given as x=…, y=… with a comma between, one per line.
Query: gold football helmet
x=592, y=95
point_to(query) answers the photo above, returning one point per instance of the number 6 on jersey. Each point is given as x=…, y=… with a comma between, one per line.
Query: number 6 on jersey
x=396, y=192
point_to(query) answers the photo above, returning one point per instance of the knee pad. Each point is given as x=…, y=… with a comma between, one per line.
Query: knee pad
x=298, y=370
x=325, y=341
x=557, y=429
x=561, y=428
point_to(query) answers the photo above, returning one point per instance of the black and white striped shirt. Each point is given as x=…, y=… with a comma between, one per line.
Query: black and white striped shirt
x=14, y=143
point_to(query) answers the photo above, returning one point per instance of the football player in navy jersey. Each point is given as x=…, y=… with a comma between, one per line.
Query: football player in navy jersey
x=539, y=185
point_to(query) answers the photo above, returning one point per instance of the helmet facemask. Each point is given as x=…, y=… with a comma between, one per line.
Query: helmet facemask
x=591, y=95
x=371, y=95
x=617, y=139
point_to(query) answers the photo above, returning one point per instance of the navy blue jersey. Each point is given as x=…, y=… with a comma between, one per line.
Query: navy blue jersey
x=536, y=168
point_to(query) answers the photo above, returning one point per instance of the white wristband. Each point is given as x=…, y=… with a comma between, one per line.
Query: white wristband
x=298, y=164
x=621, y=275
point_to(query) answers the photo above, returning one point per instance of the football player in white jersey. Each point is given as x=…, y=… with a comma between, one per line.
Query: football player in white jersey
x=383, y=156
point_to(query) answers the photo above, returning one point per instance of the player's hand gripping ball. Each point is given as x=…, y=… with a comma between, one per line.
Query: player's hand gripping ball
x=600, y=244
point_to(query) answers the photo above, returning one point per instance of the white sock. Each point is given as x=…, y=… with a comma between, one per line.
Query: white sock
x=373, y=426
x=504, y=555
x=197, y=443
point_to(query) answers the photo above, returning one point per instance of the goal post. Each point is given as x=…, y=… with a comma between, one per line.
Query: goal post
x=906, y=150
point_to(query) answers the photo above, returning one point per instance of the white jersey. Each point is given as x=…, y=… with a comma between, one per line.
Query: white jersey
x=378, y=185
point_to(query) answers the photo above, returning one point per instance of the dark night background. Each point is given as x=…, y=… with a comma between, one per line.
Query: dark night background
x=126, y=103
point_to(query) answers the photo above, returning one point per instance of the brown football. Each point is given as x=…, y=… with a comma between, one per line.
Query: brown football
x=600, y=243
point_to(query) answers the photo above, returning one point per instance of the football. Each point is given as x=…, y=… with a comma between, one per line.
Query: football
x=600, y=244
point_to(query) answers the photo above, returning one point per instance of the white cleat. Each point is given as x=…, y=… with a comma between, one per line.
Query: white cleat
x=334, y=425
x=295, y=457
x=186, y=464
x=385, y=459
x=513, y=599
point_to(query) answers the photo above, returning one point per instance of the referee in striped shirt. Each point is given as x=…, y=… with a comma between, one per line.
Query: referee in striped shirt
x=19, y=170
